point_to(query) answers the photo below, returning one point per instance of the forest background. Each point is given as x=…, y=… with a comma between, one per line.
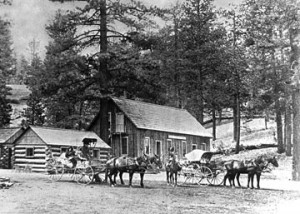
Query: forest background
x=204, y=59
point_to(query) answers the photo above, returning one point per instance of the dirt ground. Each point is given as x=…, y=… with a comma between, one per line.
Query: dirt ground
x=35, y=193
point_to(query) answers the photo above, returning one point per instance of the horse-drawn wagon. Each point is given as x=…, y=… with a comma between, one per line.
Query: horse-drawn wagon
x=83, y=172
x=198, y=167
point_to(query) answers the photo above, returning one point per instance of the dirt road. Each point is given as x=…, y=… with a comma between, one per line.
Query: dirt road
x=34, y=193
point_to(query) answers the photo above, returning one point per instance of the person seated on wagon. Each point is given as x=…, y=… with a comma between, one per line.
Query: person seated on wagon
x=85, y=151
x=70, y=155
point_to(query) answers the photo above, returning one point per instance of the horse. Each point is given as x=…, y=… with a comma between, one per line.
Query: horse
x=172, y=168
x=251, y=167
x=130, y=165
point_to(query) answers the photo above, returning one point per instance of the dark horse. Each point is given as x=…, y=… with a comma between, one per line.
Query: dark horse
x=251, y=167
x=172, y=168
x=130, y=165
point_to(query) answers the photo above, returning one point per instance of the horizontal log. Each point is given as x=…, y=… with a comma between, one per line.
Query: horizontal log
x=39, y=156
x=29, y=146
x=36, y=166
x=38, y=170
x=243, y=148
x=25, y=160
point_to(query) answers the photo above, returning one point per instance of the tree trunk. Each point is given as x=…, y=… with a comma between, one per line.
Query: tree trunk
x=214, y=124
x=279, y=127
x=294, y=60
x=296, y=136
x=237, y=125
x=288, y=129
x=103, y=67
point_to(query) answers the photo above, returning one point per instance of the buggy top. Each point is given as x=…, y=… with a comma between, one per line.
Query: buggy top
x=199, y=155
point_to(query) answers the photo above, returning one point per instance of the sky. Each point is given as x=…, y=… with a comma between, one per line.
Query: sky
x=29, y=17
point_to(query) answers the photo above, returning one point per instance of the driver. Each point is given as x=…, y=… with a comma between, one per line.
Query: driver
x=85, y=150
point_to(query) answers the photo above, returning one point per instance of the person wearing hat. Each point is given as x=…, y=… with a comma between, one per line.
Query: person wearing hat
x=85, y=150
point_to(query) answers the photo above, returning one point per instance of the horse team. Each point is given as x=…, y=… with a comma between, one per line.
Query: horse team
x=234, y=168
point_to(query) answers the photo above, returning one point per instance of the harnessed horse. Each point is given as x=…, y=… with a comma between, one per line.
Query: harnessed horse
x=251, y=167
x=130, y=165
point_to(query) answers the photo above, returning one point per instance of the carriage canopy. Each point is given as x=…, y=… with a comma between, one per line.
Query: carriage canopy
x=199, y=155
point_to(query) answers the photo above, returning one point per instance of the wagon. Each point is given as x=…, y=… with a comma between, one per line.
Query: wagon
x=83, y=173
x=199, y=168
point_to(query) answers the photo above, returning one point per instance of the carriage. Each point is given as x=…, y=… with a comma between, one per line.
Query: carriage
x=198, y=168
x=84, y=172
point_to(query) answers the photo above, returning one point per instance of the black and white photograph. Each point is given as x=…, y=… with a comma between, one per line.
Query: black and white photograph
x=149, y=106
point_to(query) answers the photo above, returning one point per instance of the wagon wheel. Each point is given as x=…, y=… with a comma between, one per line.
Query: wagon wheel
x=57, y=172
x=217, y=178
x=191, y=175
x=84, y=175
x=203, y=172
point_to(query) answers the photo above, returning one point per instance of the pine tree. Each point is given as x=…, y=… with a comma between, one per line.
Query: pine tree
x=7, y=68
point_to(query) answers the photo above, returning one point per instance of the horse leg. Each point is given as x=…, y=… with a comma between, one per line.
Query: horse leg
x=258, y=179
x=249, y=177
x=115, y=177
x=167, y=174
x=232, y=177
x=130, y=178
x=109, y=174
x=171, y=178
x=238, y=178
x=175, y=183
x=225, y=178
x=121, y=177
x=142, y=179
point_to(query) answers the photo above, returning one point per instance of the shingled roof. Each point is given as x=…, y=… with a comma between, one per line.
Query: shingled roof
x=160, y=118
x=7, y=133
x=66, y=137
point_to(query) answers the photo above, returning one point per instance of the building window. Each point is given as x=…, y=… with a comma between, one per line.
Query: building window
x=109, y=122
x=29, y=152
x=184, y=148
x=96, y=153
x=120, y=127
x=63, y=150
x=158, y=147
x=203, y=146
x=124, y=146
x=169, y=144
x=147, y=145
x=194, y=146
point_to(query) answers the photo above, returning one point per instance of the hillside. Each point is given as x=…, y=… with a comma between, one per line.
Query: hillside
x=18, y=97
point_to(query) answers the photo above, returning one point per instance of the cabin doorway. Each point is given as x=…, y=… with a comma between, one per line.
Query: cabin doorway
x=9, y=165
x=158, y=148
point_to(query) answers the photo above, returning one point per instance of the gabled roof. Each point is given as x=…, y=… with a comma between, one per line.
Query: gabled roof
x=160, y=118
x=67, y=137
x=7, y=133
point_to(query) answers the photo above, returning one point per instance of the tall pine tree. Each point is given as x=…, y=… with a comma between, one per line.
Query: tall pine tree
x=7, y=68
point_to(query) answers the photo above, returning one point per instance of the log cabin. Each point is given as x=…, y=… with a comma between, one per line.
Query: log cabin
x=8, y=137
x=38, y=144
x=132, y=127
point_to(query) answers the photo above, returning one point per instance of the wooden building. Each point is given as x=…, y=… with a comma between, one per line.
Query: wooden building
x=37, y=144
x=8, y=137
x=132, y=127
